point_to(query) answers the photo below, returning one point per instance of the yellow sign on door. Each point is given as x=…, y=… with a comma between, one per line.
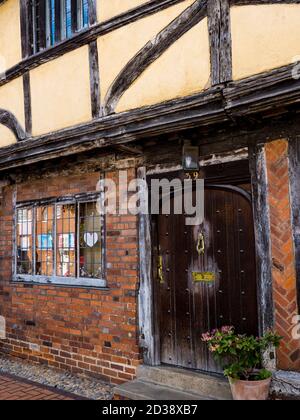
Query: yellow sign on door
x=204, y=277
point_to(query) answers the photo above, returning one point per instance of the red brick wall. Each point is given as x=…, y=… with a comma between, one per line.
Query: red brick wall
x=283, y=256
x=88, y=331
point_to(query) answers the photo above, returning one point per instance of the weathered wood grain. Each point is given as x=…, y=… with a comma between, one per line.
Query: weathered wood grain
x=261, y=2
x=253, y=99
x=205, y=108
x=85, y=37
x=10, y=121
x=153, y=50
x=27, y=103
x=145, y=297
x=218, y=12
x=263, y=92
x=262, y=234
x=94, y=79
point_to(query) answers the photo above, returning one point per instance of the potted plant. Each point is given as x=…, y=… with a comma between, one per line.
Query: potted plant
x=242, y=359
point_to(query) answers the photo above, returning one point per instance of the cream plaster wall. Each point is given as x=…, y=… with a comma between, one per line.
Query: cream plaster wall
x=182, y=70
x=60, y=92
x=106, y=9
x=12, y=99
x=10, y=34
x=264, y=37
x=117, y=48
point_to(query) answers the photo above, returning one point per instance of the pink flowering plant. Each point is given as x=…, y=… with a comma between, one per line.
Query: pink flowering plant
x=241, y=355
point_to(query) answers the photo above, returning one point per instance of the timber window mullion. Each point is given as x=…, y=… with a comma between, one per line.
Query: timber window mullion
x=35, y=29
x=74, y=16
x=41, y=22
x=34, y=215
x=58, y=21
x=79, y=14
x=54, y=239
x=90, y=6
x=48, y=23
x=63, y=25
x=68, y=12
x=78, y=241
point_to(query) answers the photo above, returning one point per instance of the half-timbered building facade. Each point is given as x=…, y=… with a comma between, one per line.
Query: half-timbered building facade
x=91, y=89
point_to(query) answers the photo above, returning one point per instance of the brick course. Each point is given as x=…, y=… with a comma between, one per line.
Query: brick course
x=87, y=331
x=17, y=389
x=283, y=255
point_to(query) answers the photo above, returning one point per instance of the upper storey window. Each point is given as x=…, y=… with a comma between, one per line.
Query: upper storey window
x=56, y=20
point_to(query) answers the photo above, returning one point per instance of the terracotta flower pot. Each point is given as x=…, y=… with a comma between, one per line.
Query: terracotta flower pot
x=250, y=390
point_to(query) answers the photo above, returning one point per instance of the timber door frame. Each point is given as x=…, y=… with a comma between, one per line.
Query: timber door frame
x=148, y=328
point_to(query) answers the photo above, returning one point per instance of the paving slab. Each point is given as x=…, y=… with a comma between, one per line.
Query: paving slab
x=16, y=389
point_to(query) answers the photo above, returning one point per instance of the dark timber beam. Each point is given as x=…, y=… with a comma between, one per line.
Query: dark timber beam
x=92, y=12
x=262, y=235
x=152, y=51
x=27, y=103
x=58, y=23
x=218, y=12
x=205, y=108
x=26, y=37
x=86, y=36
x=147, y=339
x=94, y=79
x=96, y=30
x=261, y=2
x=26, y=28
x=263, y=92
x=256, y=99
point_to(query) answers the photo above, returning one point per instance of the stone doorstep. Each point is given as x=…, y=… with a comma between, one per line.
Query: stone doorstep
x=146, y=391
x=168, y=383
x=286, y=384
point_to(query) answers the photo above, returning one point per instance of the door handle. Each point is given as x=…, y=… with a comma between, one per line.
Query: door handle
x=160, y=270
x=201, y=244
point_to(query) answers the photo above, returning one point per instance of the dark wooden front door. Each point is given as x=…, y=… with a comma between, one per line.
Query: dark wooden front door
x=223, y=247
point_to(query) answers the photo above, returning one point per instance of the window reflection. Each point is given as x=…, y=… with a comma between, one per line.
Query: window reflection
x=44, y=240
x=66, y=240
x=63, y=240
x=24, y=241
x=90, y=241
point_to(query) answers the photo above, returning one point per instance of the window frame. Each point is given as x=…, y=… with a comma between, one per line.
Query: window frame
x=55, y=279
x=40, y=34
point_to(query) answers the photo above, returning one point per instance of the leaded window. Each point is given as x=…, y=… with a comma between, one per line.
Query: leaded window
x=56, y=20
x=61, y=242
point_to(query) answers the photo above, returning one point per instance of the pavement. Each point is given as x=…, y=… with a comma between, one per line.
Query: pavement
x=16, y=389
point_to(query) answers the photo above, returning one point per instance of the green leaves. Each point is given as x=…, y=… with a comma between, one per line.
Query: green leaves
x=241, y=355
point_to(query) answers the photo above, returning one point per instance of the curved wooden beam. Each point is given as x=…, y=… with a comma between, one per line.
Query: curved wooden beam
x=153, y=50
x=10, y=121
x=261, y=2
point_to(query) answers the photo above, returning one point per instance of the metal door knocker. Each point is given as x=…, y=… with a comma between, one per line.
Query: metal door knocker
x=201, y=244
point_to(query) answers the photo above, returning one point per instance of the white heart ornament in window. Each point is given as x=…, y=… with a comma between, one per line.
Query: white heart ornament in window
x=91, y=239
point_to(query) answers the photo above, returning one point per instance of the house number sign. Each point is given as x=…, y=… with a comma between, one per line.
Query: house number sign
x=203, y=277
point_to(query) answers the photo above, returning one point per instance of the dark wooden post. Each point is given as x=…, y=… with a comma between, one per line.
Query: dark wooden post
x=262, y=235
x=218, y=12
